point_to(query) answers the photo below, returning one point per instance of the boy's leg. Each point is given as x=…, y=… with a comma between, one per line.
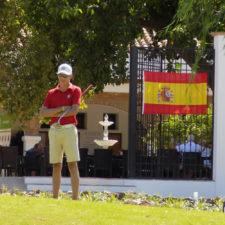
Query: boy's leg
x=56, y=179
x=75, y=179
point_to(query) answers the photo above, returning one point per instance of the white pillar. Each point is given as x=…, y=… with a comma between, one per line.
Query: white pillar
x=219, y=114
x=29, y=142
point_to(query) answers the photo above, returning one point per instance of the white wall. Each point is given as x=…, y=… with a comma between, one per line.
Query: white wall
x=95, y=131
x=163, y=188
x=175, y=188
x=122, y=88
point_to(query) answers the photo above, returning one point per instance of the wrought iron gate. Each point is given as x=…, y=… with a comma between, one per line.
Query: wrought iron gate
x=154, y=140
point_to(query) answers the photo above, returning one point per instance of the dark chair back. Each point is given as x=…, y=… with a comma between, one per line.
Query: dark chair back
x=45, y=166
x=0, y=159
x=125, y=163
x=33, y=162
x=103, y=162
x=146, y=166
x=65, y=169
x=192, y=163
x=192, y=159
x=83, y=163
x=168, y=163
x=10, y=160
x=30, y=162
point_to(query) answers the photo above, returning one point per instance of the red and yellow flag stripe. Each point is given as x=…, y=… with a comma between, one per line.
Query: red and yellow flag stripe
x=174, y=93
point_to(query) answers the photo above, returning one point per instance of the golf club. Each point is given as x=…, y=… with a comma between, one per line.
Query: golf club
x=68, y=109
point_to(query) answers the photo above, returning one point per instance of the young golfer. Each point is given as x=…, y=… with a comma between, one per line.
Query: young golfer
x=62, y=104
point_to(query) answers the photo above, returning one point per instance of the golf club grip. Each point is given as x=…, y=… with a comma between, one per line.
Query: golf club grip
x=65, y=112
x=86, y=90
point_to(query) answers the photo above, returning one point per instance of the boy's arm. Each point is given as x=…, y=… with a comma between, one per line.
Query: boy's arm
x=51, y=112
x=72, y=110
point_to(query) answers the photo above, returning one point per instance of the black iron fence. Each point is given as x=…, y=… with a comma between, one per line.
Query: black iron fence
x=169, y=146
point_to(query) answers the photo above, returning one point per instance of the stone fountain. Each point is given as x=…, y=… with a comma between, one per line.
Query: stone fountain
x=105, y=142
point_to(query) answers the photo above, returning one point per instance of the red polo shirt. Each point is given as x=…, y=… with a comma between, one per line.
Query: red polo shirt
x=56, y=98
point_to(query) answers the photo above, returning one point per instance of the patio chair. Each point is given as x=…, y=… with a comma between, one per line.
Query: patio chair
x=0, y=160
x=125, y=162
x=33, y=162
x=45, y=166
x=168, y=163
x=146, y=166
x=192, y=164
x=103, y=162
x=65, y=169
x=10, y=160
x=83, y=163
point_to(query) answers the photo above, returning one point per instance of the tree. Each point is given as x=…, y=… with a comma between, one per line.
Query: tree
x=13, y=36
x=195, y=20
x=36, y=36
x=92, y=35
x=192, y=25
x=175, y=129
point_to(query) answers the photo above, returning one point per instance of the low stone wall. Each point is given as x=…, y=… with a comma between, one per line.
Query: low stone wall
x=13, y=183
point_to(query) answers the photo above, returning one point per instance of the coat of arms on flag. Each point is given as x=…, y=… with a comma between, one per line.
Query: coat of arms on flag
x=174, y=93
x=165, y=94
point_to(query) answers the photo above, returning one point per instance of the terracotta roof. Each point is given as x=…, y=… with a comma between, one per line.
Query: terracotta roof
x=149, y=39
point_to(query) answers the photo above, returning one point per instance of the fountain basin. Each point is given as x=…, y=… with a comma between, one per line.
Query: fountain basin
x=105, y=143
x=106, y=123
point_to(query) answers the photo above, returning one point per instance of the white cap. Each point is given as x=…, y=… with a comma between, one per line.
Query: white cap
x=65, y=69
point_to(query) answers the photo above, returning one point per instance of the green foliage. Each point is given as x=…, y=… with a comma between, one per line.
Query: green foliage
x=176, y=128
x=196, y=19
x=128, y=197
x=92, y=36
x=36, y=36
x=192, y=25
x=25, y=210
x=179, y=127
x=23, y=85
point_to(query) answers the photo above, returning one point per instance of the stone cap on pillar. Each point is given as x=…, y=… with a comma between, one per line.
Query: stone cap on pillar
x=30, y=141
x=222, y=33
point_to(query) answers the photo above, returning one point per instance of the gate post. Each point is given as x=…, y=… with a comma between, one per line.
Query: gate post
x=219, y=114
x=132, y=113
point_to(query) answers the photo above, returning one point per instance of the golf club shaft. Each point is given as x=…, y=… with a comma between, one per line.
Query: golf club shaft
x=86, y=90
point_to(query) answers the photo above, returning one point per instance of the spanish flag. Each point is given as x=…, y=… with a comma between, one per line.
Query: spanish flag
x=174, y=93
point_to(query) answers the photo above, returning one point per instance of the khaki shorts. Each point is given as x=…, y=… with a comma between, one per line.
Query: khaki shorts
x=63, y=139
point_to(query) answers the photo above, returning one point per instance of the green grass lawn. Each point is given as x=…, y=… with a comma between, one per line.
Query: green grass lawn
x=31, y=210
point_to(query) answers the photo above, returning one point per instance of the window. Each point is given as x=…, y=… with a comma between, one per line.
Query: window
x=44, y=125
x=81, y=119
x=114, y=118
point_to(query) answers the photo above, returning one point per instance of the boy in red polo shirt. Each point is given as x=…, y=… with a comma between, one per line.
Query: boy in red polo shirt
x=62, y=105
